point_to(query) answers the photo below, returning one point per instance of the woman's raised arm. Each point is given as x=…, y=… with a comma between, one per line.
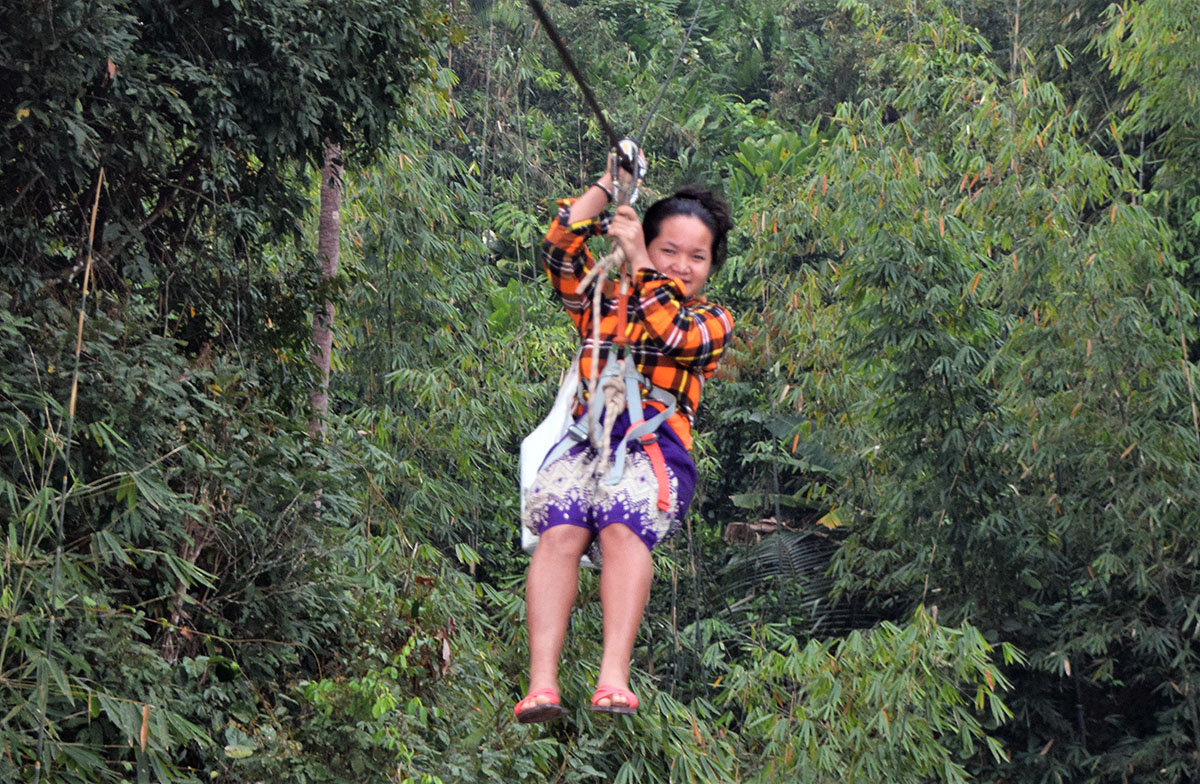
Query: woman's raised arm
x=592, y=201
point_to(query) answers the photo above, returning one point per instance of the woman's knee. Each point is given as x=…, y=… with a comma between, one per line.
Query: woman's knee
x=567, y=541
x=620, y=535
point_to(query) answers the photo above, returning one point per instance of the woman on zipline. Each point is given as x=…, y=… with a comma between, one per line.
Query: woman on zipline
x=675, y=337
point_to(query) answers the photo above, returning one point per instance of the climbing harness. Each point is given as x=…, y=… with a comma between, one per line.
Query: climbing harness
x=619, y=386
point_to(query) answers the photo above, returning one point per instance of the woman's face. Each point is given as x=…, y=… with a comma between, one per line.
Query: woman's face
x=683, y=249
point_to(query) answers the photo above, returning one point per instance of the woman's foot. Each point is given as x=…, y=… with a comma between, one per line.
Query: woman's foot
x=614, y=699
x=538, y=706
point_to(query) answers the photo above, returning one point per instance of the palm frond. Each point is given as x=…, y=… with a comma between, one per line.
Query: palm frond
x=795, y=566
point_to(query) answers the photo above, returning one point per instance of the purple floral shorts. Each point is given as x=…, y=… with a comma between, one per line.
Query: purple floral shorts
x=567, y=491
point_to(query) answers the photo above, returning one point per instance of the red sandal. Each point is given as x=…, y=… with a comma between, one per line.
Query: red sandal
x=608, y=692
x=537, y=713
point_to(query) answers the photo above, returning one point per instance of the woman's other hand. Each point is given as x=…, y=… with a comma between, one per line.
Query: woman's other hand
x=625, y=159
x=626, y=231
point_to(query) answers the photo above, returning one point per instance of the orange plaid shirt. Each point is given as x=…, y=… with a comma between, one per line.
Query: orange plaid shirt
x=675, y=341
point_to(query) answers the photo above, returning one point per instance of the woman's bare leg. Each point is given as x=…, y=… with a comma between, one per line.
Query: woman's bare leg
x=624, y=590
x=549, y=594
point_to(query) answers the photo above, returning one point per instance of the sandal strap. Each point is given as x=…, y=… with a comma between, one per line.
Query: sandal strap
x=551, y=693
x=608, y=692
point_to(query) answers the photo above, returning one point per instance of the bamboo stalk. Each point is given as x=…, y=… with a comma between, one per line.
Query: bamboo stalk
x=1187, y=374
x=43, y=674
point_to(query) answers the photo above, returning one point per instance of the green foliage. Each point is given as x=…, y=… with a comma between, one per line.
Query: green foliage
x=896, y=702
x=1018, y=444
x=963, y=280
x=196, y=526
x=187, y=521
x=1150, y=50
x=443, y=347
x=201, y=113
x=1148, y=45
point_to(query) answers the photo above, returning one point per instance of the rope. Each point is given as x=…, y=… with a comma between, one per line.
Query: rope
x=613, y=389
x=614, y=400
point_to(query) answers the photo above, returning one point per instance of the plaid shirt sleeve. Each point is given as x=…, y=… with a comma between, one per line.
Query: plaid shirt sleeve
x=567, y=259
x=692, y=332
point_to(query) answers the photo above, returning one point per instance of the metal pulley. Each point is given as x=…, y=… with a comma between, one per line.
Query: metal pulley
x=628, y=165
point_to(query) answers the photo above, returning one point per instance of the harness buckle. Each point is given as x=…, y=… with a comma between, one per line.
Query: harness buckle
x=648, y=438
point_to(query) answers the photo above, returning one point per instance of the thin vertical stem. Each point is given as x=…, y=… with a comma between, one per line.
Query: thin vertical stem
x=1187, y=374
x=43, y=674
x=484, y=173
x=695, y=598
x=1016, y=39
x=675, y=616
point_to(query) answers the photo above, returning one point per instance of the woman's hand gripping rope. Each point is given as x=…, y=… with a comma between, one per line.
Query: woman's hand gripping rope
x=628, y=254
x=629, y=243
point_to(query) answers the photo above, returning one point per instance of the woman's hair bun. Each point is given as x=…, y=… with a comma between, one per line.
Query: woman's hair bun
x=716, y=206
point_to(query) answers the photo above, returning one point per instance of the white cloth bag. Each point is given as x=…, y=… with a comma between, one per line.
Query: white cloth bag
x=538, y=444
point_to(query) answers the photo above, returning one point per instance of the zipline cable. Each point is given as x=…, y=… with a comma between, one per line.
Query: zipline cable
x=569, y=62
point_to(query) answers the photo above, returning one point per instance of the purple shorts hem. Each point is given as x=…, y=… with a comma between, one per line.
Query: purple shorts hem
x=645, y=537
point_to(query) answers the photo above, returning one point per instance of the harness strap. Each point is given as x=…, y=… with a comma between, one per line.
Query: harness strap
x=623, y=309
x=576, y=434
x=597, y=401
x=659, y=464
x=645, y=431
x=589, y=422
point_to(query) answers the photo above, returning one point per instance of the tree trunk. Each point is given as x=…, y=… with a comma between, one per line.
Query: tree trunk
x=327, y=253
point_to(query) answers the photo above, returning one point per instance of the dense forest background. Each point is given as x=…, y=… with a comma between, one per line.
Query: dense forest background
x=946, y=528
